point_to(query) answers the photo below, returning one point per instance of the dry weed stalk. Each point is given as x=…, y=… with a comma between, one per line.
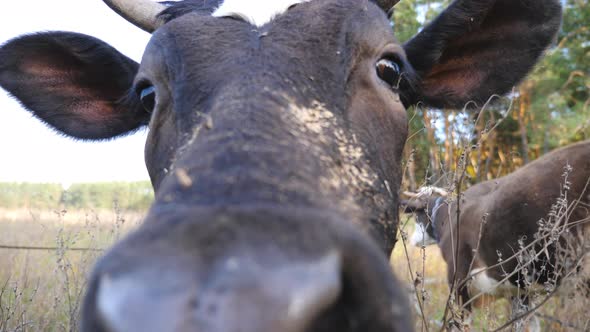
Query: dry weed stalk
x=556, y=234
x=43, y=293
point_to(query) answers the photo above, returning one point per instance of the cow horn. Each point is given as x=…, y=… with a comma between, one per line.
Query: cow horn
x=142, y=13
x=440, y=191
x=409, y=194
x=431, y=190
x=387, y=5
x=426, y=191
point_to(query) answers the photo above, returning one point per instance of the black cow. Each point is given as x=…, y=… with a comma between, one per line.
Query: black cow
x=274, y=149
x=546, y=200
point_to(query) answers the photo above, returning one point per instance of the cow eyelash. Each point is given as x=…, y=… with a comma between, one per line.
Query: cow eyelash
x=140, y=85
x=147, y=95
x=390, y=69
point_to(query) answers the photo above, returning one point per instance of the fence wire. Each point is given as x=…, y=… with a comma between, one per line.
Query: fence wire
x=9, y=247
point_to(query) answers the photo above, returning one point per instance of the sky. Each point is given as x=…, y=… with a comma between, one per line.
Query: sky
x=32, y=152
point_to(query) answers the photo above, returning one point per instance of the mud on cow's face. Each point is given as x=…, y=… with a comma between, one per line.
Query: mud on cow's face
x=334, y=82
x=274, y=149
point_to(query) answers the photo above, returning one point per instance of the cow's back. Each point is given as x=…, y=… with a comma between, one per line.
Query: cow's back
x=517, y=202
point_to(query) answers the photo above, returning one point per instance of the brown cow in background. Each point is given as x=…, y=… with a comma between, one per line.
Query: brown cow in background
x=511, y=232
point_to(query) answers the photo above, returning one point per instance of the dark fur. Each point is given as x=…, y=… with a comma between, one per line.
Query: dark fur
x=50, y=72
x=482, y=35
x=291, y=145
x=179, y=8
x=514, y=204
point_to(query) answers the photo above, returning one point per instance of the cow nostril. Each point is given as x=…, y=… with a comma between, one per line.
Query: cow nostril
x=194, y=303
x=212, y=309
x=145, y=301
x=335, y=316
x=288, y=299
x=315, y=291
x=221, y=290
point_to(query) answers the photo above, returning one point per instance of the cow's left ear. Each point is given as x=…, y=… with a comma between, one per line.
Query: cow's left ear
x=478, y=48
x=77, y=84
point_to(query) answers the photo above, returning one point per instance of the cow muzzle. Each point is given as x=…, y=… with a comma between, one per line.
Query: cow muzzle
x=240, y=296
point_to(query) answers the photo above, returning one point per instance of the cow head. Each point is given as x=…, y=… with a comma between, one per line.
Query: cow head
x=274, y=149
x=426, y=216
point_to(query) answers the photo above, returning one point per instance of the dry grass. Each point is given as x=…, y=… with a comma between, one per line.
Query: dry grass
x=424, y=272
x=40, y=290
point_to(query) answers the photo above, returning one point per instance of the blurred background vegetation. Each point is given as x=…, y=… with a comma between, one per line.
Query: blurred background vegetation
x=126, y=196
x=551, y=108
x=456, y=149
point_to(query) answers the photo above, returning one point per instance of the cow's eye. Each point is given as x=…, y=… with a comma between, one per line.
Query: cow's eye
x=148, y=98
x=389, y=71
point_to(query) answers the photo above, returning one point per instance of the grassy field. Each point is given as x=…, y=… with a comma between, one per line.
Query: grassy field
x=40, y=290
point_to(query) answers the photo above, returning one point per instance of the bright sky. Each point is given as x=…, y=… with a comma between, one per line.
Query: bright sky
x=29, y=150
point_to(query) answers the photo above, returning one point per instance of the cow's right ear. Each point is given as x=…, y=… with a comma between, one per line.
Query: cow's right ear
x=479, y=48
x=76, y=83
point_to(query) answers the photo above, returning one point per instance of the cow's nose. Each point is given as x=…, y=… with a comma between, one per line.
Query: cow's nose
x=241, y=296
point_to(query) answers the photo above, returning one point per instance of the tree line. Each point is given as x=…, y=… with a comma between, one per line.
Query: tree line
x=551, y=108
x=131, y=196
